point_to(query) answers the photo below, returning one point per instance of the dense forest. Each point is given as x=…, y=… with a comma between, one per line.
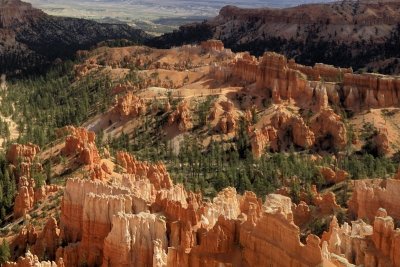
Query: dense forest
x=40, y=104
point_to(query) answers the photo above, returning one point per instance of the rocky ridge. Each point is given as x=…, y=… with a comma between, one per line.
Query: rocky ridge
x=351, y=33
x=37, y=39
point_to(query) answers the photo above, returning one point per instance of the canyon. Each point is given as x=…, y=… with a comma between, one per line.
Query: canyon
x=198, y=155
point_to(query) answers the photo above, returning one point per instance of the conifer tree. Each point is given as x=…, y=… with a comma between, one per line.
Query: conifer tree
x=4, y=252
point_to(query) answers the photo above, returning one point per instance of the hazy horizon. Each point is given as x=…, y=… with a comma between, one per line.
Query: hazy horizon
x=151, y=15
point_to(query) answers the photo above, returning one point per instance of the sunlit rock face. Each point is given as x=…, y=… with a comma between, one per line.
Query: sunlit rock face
x=371, y=195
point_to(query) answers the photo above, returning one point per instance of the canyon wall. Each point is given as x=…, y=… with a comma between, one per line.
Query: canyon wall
x=370, y=195
x=370, y=91
x=363, y=244
x=283, y=79
x=274, y=239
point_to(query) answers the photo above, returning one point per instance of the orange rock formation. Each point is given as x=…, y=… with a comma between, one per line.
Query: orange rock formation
x=381, y=141
x=181, y=117
x=370, y=91
x=22, y=153
x=42, y=244
x=264, y=243
x=28, y=195
x=291, y=129
x=363, y=244
x=286, y=80
x=332, y=176
x=371, y=195
x=224, y=117
x=109, y=225
x=212, y=45
x=130, y=106
x=136, y=239
x=329, y=130
x=31, y=260
x=156, y=173
x=82, y=142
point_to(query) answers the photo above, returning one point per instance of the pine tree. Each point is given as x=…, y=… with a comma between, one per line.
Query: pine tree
x=4, y=252
x=220, y=181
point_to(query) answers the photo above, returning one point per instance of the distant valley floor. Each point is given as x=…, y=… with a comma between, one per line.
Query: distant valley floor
x=150, y=15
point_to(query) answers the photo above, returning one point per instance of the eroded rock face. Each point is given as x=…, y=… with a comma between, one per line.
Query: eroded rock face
x=381, y=141
x=332, y=176
x=25, y=197
x=130, y=106
x=265, y=243
x=285, y=129
x=96, y=223
x=156, y=173
x=363, y=91
x=275, y=77
x=285, y=80
x=291, y=129
x=326, y=203
x=28, y=195
x=31, y=260
x=320, y=71
x=212, y=45
x=224, y=117
x=301, y=213
x=363, y=244
x=87, y=211
x=329, y=130
x=261, y=139
x=72, y=207
x=42, y=244
x=245, y=67
x=136, y=239
x=181, y=117
x=22, y=153
x=26, y=237
x=127, y=222
x=15, y=13
x=325, y=130
x=82, y=142
x=370, y=195
x=48, y=240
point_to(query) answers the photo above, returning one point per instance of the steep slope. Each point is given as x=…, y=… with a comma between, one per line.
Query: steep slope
x=347, y=33
x=31, y=39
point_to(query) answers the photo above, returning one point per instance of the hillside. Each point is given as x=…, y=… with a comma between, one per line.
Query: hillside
x=358, y=34
x=198, y=155
x=31, y=40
